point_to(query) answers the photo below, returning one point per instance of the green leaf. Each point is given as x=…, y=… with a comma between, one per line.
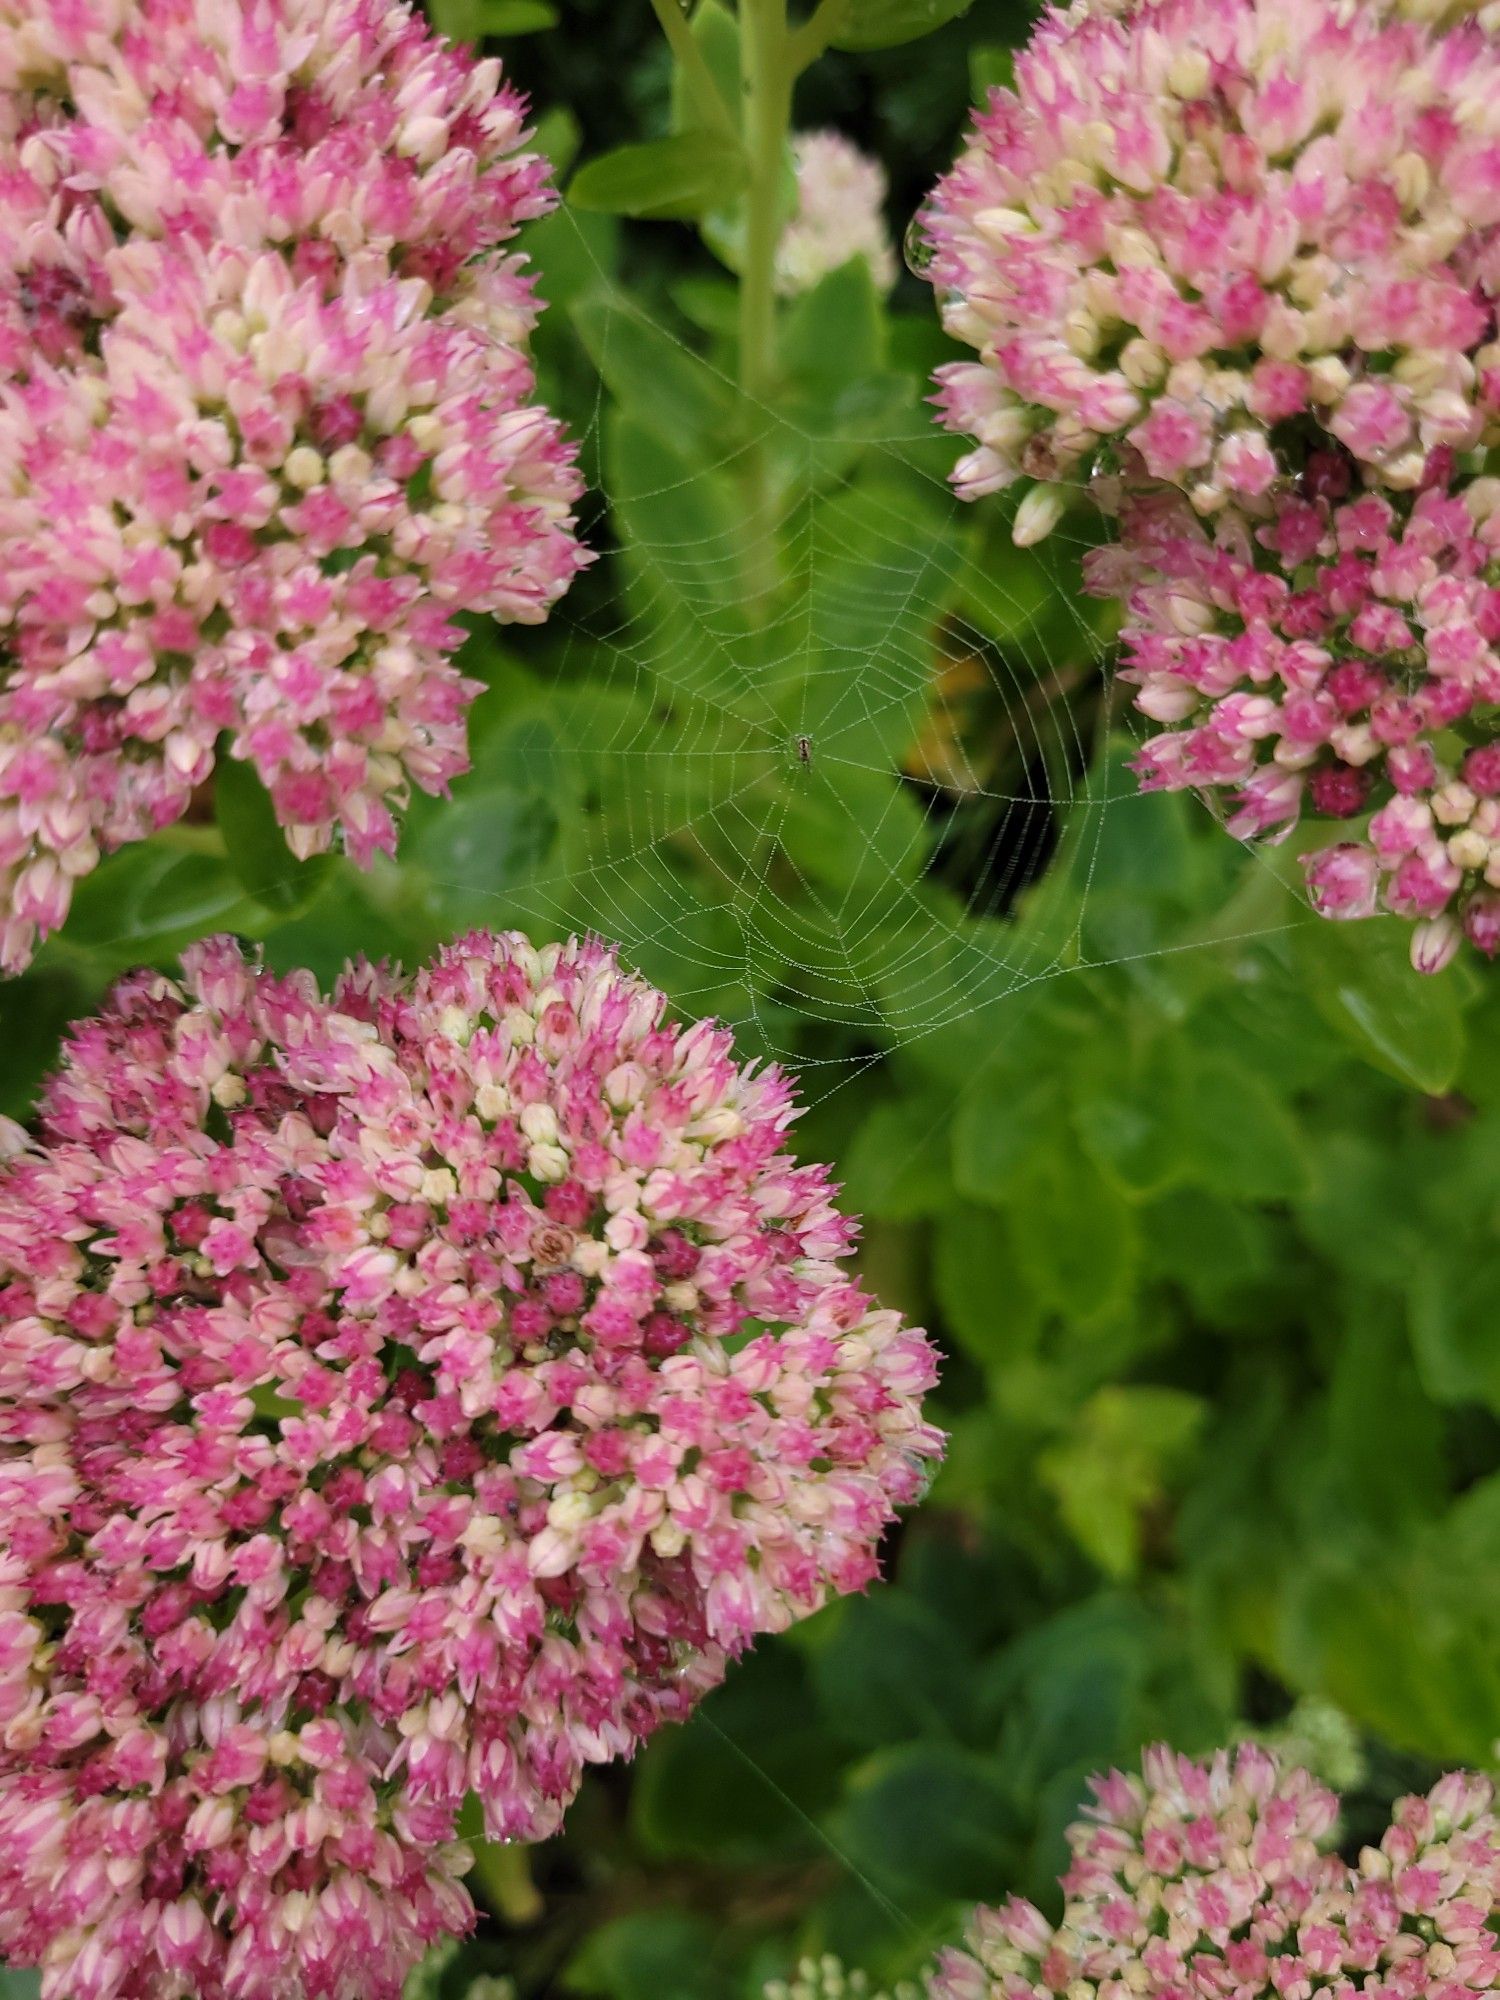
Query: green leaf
x=559, y=137
x=896, y=1167
x=148, y=901
x=500, y=831
x=986, y=1304
x=835, y=333
x=998, y=1132
x=20, y=1985
x=1407, y=1023
x=657, y=380
x=1068, y=1691
x=1226, y=1256
x=649, y=1955
x=575, y=254
x=854, y=667
x=1404, y=1633
x=1240, y=1139
x=711, y=302
x=34, y=1010
x=1134, y=862
x=424, y=1981
x=670, y=512
x=269, y=1404
x=1127, y=1110
x=1361, y=1175
x=891, y=1669
x=991, y=67
x=1084, y=1689
x=256, y=845
x=675, y=179
x=1386, y=1455
x=858, y=831
x=1075, y=1235
x=472, y=20
x=1455, y=1316
x=517, y=17
x=742, y=1779
x=502, y=1880
x=881, y=24
x=931, y=1816
x=344, y=923
x=717, y=33
x=1114, y=1468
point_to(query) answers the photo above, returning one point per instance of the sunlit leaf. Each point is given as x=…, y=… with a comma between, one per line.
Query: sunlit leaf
x=881, y=24
x=680, y=178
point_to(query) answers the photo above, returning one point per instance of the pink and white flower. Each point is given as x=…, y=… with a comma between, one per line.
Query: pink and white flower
x=1197, y=1880
x=1195, y=223
x=269, y=423
x=840, y=215
x=419, y=1392
x=1323, y=660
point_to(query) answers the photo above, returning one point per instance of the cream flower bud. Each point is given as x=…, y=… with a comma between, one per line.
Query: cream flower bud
x=1038, y=514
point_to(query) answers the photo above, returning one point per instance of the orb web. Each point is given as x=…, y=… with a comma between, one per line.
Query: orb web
x=825, y=748
x=812, y=743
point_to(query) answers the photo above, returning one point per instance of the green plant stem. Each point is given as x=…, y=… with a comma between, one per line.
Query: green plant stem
x=817, y=31
x=502, y=1873
x=690, y=58
x=769, y=73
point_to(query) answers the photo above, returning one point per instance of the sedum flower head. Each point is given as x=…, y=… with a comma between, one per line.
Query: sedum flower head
x=1320, y=1738
x=1200, y=233
x=268, y=422
x=840, y=214
x=1235, y=263
x=409, y=1394
x=1199, y=1881
x=1325, y=662
x=828, y=1978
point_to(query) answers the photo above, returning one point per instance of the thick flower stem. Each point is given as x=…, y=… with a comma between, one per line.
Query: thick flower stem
x=767, y=79
x=768, y=73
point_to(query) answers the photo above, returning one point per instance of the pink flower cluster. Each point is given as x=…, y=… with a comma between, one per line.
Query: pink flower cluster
x=1330, y=658
x=1196, y=222
x=1214, y=1880
x=267, y=420
x=1244, y=255
x=840, y=214
x=412, y=1394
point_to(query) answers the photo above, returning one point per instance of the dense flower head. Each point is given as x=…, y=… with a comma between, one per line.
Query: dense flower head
x=267, y=418
x=1340, y=660
x=839, y=215
x=1234, y=264
x=828, y=1978
x=1204, y=232
x=406, y=1395
x=1199, y=1881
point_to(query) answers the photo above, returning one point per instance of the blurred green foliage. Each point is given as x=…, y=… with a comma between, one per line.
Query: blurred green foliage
x=1198, y=1194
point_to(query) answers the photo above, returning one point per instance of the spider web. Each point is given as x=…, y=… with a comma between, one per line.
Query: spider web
x=864, y=814
x=812, y=744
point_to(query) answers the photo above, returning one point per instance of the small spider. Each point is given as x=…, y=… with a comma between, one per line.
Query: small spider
x=804, y=751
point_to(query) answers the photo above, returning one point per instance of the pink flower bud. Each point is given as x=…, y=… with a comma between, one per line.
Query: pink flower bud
x=1343, y=881
x=1435, y=942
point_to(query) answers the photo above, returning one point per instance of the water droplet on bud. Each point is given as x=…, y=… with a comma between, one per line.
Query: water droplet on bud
x=918, y=248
